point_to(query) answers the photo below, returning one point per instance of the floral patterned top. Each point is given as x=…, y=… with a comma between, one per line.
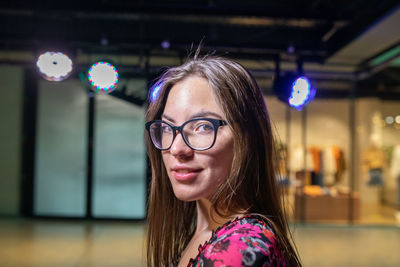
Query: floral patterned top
x=246, y=241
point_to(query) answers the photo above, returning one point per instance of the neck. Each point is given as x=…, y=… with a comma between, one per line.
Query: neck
x=207, y=218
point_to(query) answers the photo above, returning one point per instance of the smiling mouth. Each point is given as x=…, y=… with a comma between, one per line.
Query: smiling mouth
x=184, y=171
x=185, y=175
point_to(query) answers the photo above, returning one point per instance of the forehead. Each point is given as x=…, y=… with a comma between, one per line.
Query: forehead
x=190, y=96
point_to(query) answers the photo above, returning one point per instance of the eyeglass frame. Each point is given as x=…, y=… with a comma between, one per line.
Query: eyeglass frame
x=216, y=123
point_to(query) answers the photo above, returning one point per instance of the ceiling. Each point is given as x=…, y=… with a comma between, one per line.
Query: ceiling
x=338, y=41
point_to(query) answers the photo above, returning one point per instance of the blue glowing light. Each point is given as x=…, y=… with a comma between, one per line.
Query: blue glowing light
x=165, y=44
x=300, y=95
x=155, y=92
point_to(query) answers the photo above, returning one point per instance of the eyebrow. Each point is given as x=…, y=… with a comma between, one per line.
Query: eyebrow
x=196, y=115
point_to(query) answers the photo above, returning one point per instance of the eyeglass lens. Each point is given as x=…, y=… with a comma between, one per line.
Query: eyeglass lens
x=199, y=134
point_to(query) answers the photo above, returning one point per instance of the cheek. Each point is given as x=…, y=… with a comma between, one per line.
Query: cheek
x=166, y=161
x=222, y=161
x=163, y=158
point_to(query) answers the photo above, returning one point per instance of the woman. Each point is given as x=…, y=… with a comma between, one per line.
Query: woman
x=214, y=199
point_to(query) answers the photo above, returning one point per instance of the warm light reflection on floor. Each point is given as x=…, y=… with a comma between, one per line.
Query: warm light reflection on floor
x=28, y=242
x=70, y=243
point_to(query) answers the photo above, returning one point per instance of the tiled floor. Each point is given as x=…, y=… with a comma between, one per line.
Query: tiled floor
x=25, y=242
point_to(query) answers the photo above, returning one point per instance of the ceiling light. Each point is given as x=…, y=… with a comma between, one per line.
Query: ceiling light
x=54, y=66
x=297, y=91
x=103, y=77
x=389, y=120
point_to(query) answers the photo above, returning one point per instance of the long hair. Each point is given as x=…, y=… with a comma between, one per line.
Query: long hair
x=251, y=187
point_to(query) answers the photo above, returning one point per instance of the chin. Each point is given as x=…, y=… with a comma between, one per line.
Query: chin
x=190, y=196
x=186, y=197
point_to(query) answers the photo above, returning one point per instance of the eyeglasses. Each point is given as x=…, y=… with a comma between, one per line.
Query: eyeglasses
x=198, y=134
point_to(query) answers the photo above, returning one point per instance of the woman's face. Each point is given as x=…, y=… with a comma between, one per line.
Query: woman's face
x=196, y=174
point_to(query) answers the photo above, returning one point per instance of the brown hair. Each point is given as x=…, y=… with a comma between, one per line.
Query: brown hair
x=251, y=186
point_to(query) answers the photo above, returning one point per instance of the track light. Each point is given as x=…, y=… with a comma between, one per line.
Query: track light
x=301, y=92
x=54, y=66
x=103, y=77
x=295, y=90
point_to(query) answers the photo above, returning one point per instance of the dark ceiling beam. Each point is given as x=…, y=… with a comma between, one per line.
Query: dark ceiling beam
x=335, y=29
x=264, y=9
x=181, y=16
x=139, y=71
x=223, y=42
x=209, y=19
x=153, y=48
x=318, y=76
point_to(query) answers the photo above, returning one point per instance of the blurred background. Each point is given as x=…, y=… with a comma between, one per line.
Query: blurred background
x=75, y=80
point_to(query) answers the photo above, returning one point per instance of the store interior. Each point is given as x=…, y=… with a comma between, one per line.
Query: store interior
x=354, y=192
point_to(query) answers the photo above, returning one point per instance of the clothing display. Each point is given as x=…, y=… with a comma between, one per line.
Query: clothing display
x=246, y=241
x=324, y=165
x=316, y=157
x=329, y=166
x=296, y=159
x=340, y=163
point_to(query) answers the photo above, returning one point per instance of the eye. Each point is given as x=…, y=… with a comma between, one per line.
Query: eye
x=204, y=127
x=165, y=129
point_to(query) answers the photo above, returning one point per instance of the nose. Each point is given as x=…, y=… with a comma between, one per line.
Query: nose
x=179, y=148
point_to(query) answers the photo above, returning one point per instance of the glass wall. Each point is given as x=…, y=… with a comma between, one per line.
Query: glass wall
x=11, y=92
x=61, y=156
x=61, y=146
x=120, y=159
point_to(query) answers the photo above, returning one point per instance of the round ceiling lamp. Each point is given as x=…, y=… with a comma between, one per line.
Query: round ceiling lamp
x=103, y=77
x=54, y=66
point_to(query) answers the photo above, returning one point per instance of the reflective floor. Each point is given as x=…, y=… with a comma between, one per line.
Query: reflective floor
x=25, y=242
x=323, y=245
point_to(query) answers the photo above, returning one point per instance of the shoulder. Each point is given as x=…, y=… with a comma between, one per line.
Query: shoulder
x=246, y=241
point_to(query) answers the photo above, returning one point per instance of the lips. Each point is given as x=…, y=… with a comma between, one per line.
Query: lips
x=185, y=174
